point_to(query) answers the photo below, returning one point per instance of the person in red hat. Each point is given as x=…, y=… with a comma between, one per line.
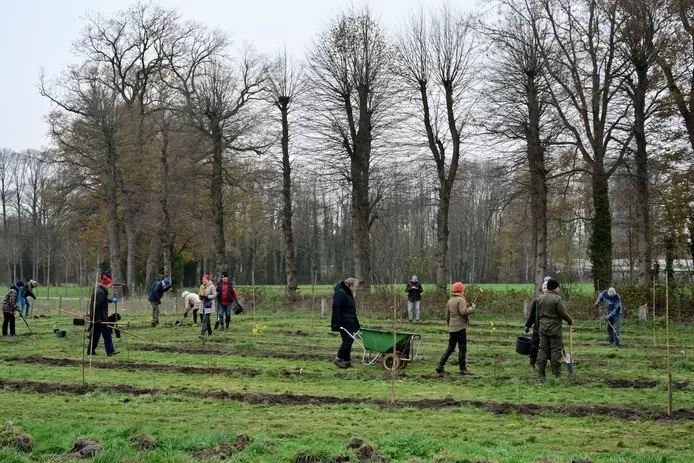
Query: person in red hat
x=98, y=314
x=457, y=319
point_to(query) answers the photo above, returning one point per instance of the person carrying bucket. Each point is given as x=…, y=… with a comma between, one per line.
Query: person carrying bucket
x=531, y=322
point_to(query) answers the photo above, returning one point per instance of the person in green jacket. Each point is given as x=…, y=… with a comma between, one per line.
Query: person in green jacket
x=550, y=312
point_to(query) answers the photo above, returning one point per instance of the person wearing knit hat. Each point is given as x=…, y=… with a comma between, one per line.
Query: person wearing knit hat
x=98, y=315
x=458, y=320
x=613, y=314
x=414, y=296
x=155, y=294
x=226, y=297
x=208, y=296
x=551, y=310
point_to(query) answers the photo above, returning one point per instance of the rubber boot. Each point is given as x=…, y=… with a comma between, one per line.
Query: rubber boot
x=439, y=368
x=227, y=325
x=216, y=324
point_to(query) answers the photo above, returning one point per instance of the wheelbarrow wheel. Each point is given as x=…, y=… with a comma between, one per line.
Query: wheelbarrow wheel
x=391, y=361
x=403, y=364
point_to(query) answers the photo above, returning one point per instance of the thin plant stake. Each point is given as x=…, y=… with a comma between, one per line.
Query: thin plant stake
x=396, y=361
x=91, y=335
x=667, y=347
x=654, y=339
x=253, y=291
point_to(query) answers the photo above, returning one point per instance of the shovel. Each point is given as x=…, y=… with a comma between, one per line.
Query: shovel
x=568, y=358
x=25, y=322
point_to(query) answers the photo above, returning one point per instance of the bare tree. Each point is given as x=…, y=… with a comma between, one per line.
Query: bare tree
x=129, y=46
x=217, y=93
x=585, y=73
x=677, y=63
x=436, y=55
x=642, y=39
x=284, y=85
x=7, y=157
x=86, y=127
x=349, y=74
x=516, y=88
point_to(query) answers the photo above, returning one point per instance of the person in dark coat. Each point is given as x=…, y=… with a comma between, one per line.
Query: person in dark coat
x=414, y=296
x=26, y=293
x=98, y=314
x=532, y=322
x=155, y=295
x=550, y=313
x=344, y=319
x=225, y=298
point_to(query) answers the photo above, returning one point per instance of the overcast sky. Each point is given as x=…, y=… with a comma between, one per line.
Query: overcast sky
x=37, y=34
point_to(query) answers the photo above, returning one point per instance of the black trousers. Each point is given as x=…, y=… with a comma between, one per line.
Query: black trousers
x=458, y=338
x=345, y=351
x=8, y=319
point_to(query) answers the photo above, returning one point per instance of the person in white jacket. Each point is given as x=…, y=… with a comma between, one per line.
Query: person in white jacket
x=208, y=298
x=192, y=302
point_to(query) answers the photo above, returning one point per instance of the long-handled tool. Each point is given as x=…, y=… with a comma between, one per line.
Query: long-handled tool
x=570, y=360
x=25, y=322
x=604, y=314
x=474, y=301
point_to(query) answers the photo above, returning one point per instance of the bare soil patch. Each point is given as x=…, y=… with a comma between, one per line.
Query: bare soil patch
x=304, y=400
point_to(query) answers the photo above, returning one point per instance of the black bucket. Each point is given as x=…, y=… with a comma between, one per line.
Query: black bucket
x=60, y=333
x=523, y=345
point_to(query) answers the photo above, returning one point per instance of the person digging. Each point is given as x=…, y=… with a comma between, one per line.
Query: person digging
x=154, y=298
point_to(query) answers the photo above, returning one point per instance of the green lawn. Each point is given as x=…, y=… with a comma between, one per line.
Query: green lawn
x=279, y=388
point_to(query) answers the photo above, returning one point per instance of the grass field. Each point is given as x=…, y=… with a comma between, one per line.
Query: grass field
x=273, y=396
x=71, y=291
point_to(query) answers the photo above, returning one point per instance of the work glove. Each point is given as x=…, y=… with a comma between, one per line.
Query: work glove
x=527, y=330
x=114, y=300
x=202, y=297
x=595, y=305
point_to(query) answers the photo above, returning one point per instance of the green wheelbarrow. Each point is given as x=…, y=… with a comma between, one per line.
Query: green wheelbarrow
x=378, y=347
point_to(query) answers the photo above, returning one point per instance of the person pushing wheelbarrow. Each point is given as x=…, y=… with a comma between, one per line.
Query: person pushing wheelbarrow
x=344, y=320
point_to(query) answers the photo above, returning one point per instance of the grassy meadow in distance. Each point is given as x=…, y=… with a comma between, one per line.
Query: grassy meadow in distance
x=265, y=391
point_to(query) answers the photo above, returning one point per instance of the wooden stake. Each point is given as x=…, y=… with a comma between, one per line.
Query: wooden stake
x=395, y=351
x=667, y=347
x=654, y=339
x=253, y=291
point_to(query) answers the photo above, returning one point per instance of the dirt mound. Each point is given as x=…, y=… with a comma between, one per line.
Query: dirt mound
x=85, y=448
x=635, y=384
x=224, y=450
x=364, y=452
x=142, y=441
x=14, y=436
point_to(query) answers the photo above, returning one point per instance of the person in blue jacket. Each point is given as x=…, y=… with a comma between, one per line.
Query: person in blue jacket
x=155, y=295
x=613, y=313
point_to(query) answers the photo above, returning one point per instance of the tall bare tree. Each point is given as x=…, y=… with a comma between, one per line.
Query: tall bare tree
x=218, y=93
x=436, y=52
x=130, y=46
x=86, y=127
x=349, y=74
x=516, y=88
x=284, y=85
x=585, y=71
x=642, y=37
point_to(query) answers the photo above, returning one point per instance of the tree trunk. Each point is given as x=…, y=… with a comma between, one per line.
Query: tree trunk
x=538, y=183
x=442, y=236
x=289, y=255
x=152, y=272
x=643, y=225
x=601, y=238
x=217, y=199
x=112, y=211
x=166, y=245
